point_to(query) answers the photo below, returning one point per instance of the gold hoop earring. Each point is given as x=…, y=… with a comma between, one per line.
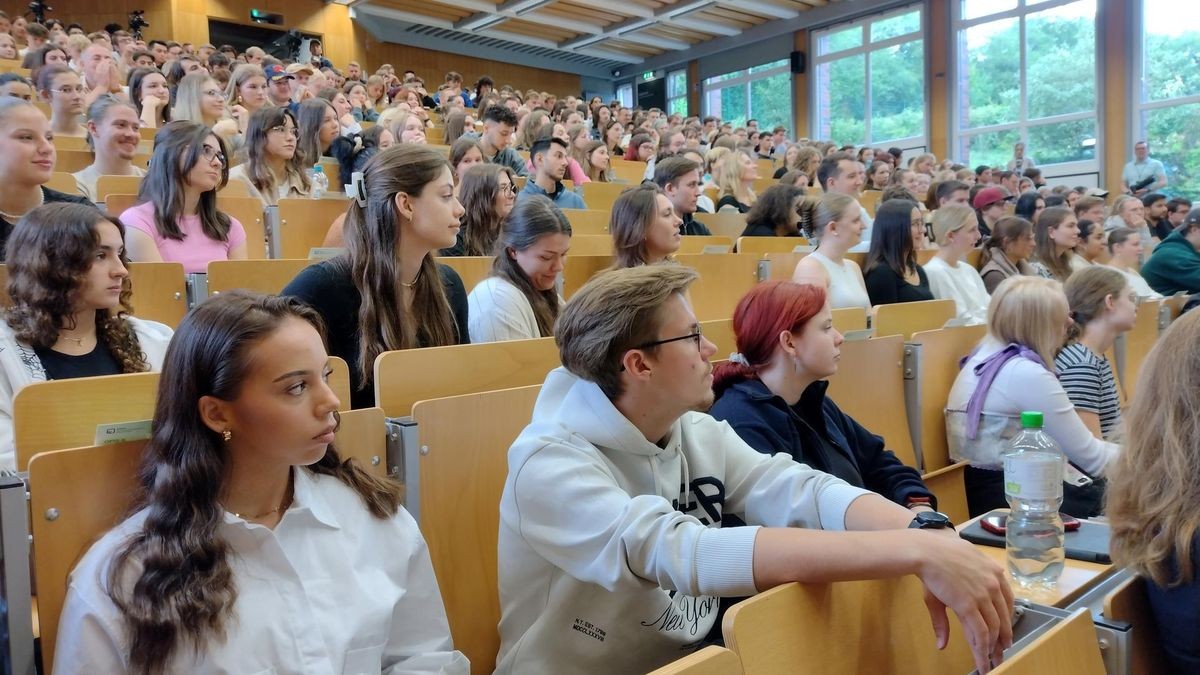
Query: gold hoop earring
x=227, y=435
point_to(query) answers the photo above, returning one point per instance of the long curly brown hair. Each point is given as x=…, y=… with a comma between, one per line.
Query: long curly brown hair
x=49, y=255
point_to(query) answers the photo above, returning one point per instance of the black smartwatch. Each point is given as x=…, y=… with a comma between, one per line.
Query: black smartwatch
x=930, y=520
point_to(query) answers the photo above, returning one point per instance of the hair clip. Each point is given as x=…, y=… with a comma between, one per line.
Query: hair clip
x=357, y=190
x=737, y=358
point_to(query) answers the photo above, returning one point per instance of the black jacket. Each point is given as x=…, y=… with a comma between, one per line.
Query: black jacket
x=768, y=425
x=693, y=227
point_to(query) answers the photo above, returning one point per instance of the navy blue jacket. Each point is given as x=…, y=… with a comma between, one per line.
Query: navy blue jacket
x=768, y=425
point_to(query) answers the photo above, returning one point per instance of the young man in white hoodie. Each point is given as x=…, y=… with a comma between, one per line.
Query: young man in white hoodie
x=617, y=522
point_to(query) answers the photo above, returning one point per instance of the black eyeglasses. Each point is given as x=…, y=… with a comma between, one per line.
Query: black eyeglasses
x=695, y=335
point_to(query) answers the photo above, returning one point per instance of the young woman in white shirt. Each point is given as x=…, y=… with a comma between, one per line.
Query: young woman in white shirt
x=247, y=514
x=519, y=300
x=834, y=222
x=1011, y=371
x=113, y=135
x=956, y=230
x=644, y=226
x=272, y=169
x=1125, y=251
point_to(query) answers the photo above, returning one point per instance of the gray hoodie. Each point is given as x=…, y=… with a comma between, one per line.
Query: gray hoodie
x=612, y=552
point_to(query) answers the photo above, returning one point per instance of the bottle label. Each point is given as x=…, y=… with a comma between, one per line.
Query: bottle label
x=1033, y=478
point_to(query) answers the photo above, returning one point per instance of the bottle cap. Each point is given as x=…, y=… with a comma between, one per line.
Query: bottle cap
x=318, y=168
x=1031, y=419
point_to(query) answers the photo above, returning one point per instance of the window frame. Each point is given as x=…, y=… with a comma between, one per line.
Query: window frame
x=679, y=95
x=744, y=79
x=864, y=23
x=960, y=136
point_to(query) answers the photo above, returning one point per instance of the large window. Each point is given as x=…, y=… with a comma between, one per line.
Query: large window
x=870, y=81
x=677, y=92
x=761, y=92
x=625, y=95
x=1168, y=115
x=1026, y=72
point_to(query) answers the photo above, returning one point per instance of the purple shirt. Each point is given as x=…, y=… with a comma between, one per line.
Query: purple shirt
x=196, y=250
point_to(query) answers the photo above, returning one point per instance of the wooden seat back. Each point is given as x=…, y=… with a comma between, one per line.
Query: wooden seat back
x=878, y=626
x=602, y=196
x=632, y=172
x=869, y=386
x=159, y=291
x=1070, y=646
x=769, y=244
x=587, y=221
x=783, y=265
x=580, y=268
x=463, y=466
x=1138, y=343
x=249, y=212
x=724, y=279
x=63, y=182
x=1128, y=602
x=472, y=269
x=92, y=488
x=723, y=224
x=116, y=185
x=262, y=276
x=906, y=318
x=591, y=245
x=60, y=414
x=303, y=224
x=941, y=351
x=406, y=376
x=693, y=244
x=846, y=319
x=712, y=660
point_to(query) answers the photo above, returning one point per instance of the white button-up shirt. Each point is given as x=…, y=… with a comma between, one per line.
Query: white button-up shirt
x=332, y=589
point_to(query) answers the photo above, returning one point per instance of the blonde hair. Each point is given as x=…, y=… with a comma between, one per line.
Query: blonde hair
x=816, y=213
x=951, y=218
x=729, y=175
x=240, y=76
x=1153, y=486
x=613, y=313
x=1030, y=311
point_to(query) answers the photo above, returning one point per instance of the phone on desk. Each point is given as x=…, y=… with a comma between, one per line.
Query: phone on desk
x=997, y=523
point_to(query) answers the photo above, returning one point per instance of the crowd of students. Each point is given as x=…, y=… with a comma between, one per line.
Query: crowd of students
x=649, y=489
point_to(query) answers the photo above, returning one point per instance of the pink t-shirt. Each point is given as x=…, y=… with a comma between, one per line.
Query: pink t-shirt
x=196, y=250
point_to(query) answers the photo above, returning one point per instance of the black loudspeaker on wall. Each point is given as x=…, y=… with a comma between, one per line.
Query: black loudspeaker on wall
x=799, y=61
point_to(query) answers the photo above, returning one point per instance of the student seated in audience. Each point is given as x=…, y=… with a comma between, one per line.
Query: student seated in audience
x=1007, y=251
x=1103, y=306
x=150, y=97
x=246, y=94
x=26, y=163
x=644, y=226
x=1093, y=245
x=318, y=125
x=549, y=158
x=519, y=301
x=1010, y=371
x=272, y=169
x=1125, y=249
x=62, y=89
x=176, y=218
x=956, y=231
x=386, y=292
x=487, y=193
x=834, y=224
x=69, y=312
x=499, y=123
x=1153, y=500
x=773, y=393
x=776, y=213
x=1056, y=232
x=1175, y=264
x=735, y=176
x=989, y=208
x=113, y=136
x=464, y=154
x=680, y=180
x=597, y=162
x=892, y=274
x=608, y=506
x=840, y=173
x=200, y=99
x=13, y=84
x=1029, y=206
x=246, y=511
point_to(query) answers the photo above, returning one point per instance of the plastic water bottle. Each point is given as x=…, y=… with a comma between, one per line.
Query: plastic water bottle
x=320, y=183
x=1033, y=479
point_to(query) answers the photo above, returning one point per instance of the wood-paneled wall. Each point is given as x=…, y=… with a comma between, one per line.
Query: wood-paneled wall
x=95, y=14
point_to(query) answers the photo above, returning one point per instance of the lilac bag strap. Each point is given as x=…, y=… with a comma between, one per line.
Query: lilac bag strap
x=987, y=371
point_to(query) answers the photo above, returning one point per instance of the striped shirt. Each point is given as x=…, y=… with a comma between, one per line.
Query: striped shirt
x=1089, y=383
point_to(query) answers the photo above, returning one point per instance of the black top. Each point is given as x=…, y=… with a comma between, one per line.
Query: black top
x=1160, y=228
x=1175, y=612
x=730, y=200
x=885, y=287
x=691, y=226
x=59, y=366
x=48, y=197
x=328, y=288
x=779, y=172
x=817, y=433
x=762, y=229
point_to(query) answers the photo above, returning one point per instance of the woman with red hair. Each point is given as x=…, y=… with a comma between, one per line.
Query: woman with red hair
x=772, y=392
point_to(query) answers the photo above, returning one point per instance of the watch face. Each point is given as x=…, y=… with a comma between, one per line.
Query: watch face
x=933, y=518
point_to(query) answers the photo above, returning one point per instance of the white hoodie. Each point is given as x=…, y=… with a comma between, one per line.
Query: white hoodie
x=601, y=568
